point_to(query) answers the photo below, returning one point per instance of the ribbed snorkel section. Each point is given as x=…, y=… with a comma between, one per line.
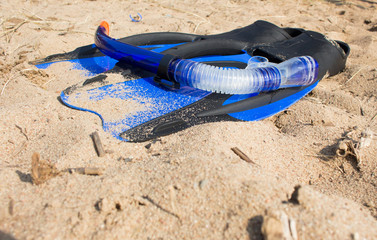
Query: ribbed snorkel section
x=298, y=71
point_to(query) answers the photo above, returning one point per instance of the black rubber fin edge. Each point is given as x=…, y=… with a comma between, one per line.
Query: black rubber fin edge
x=87, y=51
x=178, y=120
x=208, y=109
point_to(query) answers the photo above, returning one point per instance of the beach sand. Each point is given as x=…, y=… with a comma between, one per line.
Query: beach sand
x=188, y=185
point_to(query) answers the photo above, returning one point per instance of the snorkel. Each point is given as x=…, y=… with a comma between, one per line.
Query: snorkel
x=257, y=77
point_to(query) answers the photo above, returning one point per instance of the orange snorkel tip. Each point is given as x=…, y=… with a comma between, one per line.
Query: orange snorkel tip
x=105, y=25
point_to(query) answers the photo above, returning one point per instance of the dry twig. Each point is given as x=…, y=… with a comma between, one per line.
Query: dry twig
x=242, y=155
x=22, y=131
x=85, y=171
x=98, y=144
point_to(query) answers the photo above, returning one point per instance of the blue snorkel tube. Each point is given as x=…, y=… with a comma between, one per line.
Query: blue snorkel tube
x=257, y=77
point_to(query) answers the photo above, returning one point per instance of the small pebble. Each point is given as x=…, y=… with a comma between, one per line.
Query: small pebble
x=342, y=12
x=203, y=183
x=355, y=236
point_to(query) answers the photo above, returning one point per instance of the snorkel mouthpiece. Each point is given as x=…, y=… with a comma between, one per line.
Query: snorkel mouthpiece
x=257, y=77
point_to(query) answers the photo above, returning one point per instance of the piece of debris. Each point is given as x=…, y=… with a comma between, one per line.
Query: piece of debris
x=160, y=207
x=242, y=155
x=126, y=160
x=41, y=170
x=355, y=236
x=137, y=18
x=203, y=183
x=173, y=198
x=347, y=147
x=85, y=171
x=277, y=225
x=354, y=144
x=22, y=131
x=109, y=204
x=98, y=144
x=11, y=207
x=294, y=196
x=109, y=151
x=149, y=145
x=366, y=138
x=373, y=29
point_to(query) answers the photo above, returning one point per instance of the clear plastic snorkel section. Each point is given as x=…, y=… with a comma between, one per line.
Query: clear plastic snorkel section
x=259, y=76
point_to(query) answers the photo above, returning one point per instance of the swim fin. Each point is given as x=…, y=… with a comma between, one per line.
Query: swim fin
x=151, y=108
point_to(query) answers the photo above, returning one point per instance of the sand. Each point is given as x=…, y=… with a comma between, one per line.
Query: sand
x=188, y=185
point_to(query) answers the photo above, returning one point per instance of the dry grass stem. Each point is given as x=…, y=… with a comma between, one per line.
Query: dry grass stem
x=98, y=144
x=16, y=152
x=353, y=75
x=6, y=83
